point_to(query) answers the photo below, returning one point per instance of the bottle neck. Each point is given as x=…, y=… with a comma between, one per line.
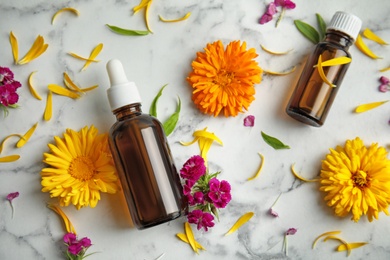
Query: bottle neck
x=339, y=38
x=131, y=110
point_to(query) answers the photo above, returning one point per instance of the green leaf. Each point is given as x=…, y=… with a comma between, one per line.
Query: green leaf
x=308, y=31
x=153, y=106
x=171, y=122
x=127, y=32
x=273, y=142
x=322, y=26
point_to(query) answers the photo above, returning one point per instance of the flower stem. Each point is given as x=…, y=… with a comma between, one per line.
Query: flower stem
x=280, y=17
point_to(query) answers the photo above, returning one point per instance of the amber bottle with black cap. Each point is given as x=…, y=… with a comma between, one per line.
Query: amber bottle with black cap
x=312, y=98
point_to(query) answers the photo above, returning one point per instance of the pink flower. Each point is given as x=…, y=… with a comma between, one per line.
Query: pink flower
x=12, y=196
x=193, y=168
x=291, y=231
x=8, y=95
x=187, y=188
x=76, y=247
x=384, y=80
x=285, y=3
x=6, y=76
x=198, y=197
x=201, y=219
x=219, y=192
x=249, y=121
x=267, y=16
x=273, y=213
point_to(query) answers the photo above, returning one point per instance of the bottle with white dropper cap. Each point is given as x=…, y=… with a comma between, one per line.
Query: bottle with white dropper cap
x=150, y=182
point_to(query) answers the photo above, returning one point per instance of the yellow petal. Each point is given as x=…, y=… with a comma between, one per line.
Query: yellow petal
x=62, y=91
x=274, y=52
x=14, y=46
x=183, y=237
x=259, y=170
x=26, y=136
x=340, y=240
x=175, y=20
x=190, y=236
x=369, y=106
x=95, y=52
x=208, y=135
x=322, y=73
x=335, y=61
x=189, y=143
x=241, y=221
x=35, y=51
x=68, y=225
x=384, y=69
x=49, y=107
x=70, y=84
x=9, y=158
x=343, y=247
x=363, y=48
x=325, y=234
x=69, y=9
x=141, y=5
x=372, y=36
x=89, y=89
x=6, y=138
x=275, y=73
x=31, y=88
x=300, y=177
x=81, y=58
x=147, y=15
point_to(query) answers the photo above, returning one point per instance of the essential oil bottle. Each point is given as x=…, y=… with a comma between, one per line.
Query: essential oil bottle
x=149, y=178
x=312, y=98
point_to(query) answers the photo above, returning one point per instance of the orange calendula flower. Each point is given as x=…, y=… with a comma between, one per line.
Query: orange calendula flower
x=223, y=79
x=80, y=167
x=356, y=179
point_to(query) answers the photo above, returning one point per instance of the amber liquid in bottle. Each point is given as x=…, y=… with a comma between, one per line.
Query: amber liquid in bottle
x=150, y=182
x=312, y=98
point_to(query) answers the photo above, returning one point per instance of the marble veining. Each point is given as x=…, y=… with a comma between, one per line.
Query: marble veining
x=165, y=56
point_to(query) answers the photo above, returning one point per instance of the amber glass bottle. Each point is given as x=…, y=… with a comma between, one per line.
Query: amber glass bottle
x=149, y=179
x=312, y=97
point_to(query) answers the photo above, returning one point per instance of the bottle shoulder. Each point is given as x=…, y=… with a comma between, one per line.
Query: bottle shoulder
x=140, y=121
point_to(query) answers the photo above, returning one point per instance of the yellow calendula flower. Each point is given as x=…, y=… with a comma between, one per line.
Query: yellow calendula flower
x=223, y=79
x=356, y=179
x=80, y=167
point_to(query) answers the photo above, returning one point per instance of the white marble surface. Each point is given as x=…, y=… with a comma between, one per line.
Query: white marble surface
x=35, y=232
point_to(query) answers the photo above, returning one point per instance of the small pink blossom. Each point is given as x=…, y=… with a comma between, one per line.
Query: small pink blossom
x=384, y=80
x=193, y=168
x=291, y=231
x=219, y=192
x=201, y=219
x=268, y=15
x=273, y=213
x=285, y=3
x=12, y=196
x=76, y=248
x=249, y=121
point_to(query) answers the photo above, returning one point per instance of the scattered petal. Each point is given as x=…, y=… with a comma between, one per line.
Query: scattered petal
x=324, y=235
x=69, y=9
x=184, y=238
x=282, y=73
x=62, y=91
x=127, y=32
x=10, y=198
x=31, y=88
x=9, y=158
x=300, y=177
x=207, y=135
x=322, y=73
x=274, y=52
x=141, y=5
x=14, y=46
x=35, y=51
x=291, y=231
x=384, y=80
x=369, y=106
x=274, y=142
x=190, y=236
x=384, y=69
x=344, y=247
x=335, y=61
x=147, y=15
x=6, y=138
x=372, y=36
x=49, y=107
x=249, y=121
x=348, y=247
x=95, y=52
x=89, y=88
x=175, y=20
x=363, y=48
x=68, y=225
x=259, y=170
x=241, y=221
x=70, y=84
x=273, y=213
x=81, y=58
x=26, y=136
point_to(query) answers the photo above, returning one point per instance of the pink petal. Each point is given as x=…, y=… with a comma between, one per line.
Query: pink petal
x=12, y=196
x=249, y=121
x=265, y=18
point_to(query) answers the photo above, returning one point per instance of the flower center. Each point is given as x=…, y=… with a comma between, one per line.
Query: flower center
x=224, y=78
x=360, y=179
x=82, y=168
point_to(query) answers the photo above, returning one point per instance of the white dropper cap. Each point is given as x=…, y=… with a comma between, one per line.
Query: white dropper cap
x=346, y=23
x=122, y=92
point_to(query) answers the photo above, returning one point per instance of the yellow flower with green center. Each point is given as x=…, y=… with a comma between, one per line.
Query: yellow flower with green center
x=356, y=179
x=80, y=167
